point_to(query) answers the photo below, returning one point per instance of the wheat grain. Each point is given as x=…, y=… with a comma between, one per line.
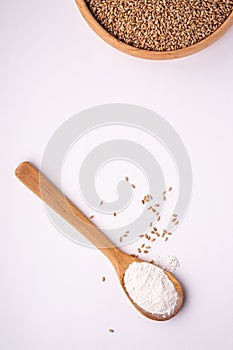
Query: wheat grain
x=160, y=25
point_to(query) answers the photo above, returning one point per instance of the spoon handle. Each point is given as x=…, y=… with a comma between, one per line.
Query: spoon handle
x=32, y=178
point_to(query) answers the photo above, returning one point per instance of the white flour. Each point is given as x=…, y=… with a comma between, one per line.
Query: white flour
x=167, y=262
x=150, y=288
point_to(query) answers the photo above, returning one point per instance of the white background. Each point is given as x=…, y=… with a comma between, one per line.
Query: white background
x=51, y=293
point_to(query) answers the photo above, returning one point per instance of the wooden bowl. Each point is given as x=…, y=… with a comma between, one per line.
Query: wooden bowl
x=152, y=55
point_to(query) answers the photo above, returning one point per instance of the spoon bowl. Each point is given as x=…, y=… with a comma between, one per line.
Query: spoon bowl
x=32, y=178
x=121, y=267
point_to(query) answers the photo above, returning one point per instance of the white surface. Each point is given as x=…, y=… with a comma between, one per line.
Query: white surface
x=52, y=66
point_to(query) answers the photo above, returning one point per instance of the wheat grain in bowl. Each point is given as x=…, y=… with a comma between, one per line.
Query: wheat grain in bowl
x=160, y=25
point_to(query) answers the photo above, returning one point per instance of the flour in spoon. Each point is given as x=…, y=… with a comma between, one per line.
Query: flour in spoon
x=150, y=288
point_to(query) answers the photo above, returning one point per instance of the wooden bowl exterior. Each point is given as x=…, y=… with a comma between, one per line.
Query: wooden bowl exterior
x=152, y=55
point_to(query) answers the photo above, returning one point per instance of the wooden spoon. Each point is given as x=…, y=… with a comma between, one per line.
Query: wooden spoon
x=43, y=188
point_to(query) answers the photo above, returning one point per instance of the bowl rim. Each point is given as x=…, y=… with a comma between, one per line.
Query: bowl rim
x=146, y=54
